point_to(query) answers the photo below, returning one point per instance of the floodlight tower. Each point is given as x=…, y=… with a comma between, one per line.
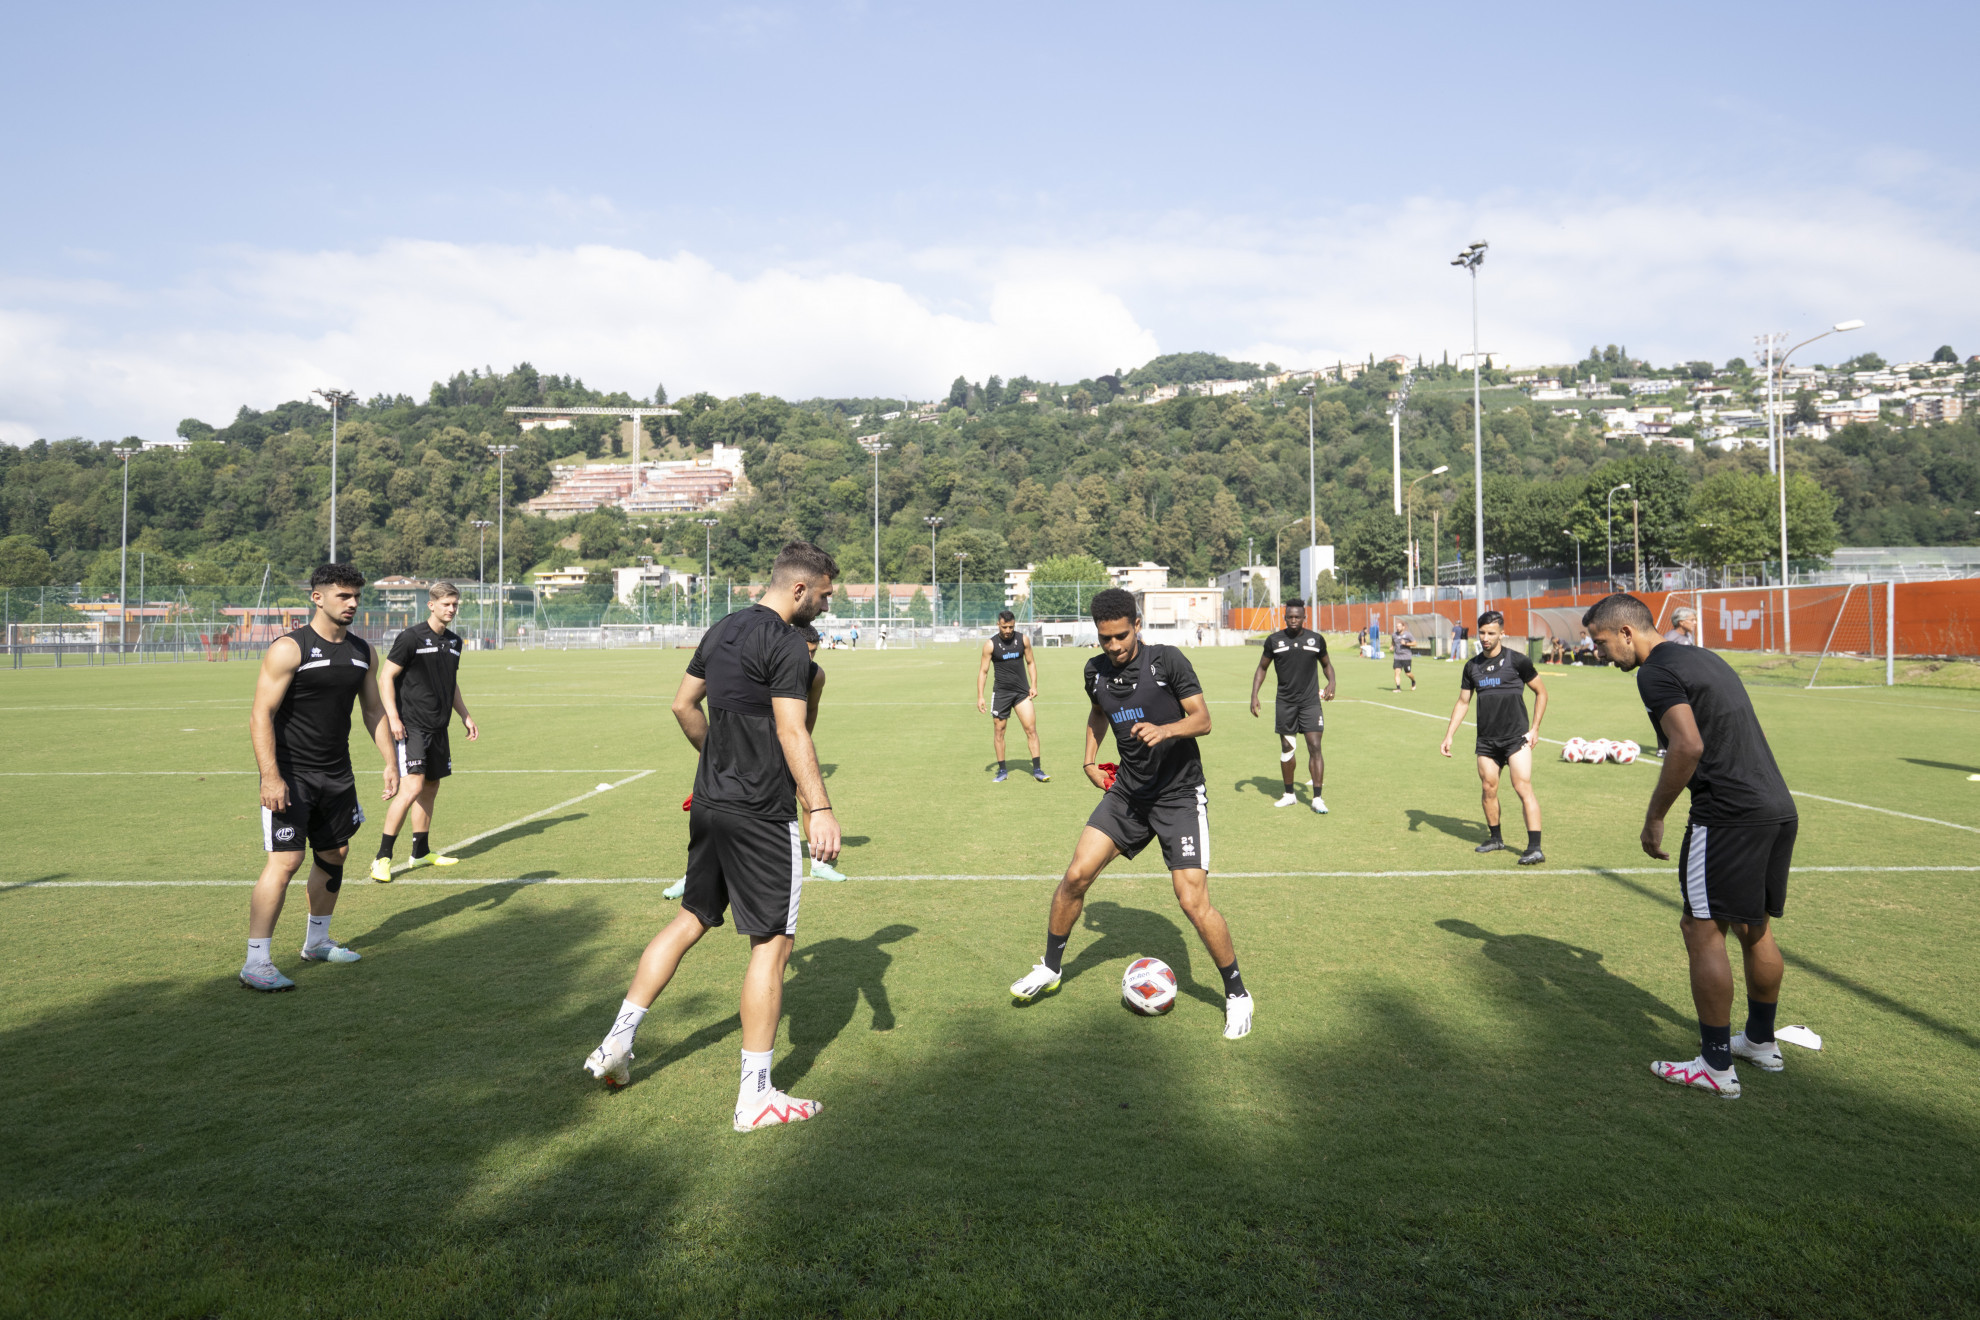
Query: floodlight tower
x=481, y=526
x=1470, y=259
x=1409, y=542
x=934, y=591
x=876, y=448
x=1395, y=439
x=707, y=570
x=123, y=557
x=1310, y=390
x=337, y=399
x=501, y=453
x=960, y=556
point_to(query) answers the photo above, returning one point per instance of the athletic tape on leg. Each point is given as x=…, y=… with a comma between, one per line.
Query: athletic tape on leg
x=1291, y=748
x=335, y=870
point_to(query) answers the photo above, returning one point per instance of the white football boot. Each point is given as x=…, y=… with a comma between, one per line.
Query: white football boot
x=1035, y=984
x=1291, y=799
x=1700, y=1074
x=1766, y=1057
x=1319, y=806
x=1237, y=1016
x=615, y=1070
x=775, y=1110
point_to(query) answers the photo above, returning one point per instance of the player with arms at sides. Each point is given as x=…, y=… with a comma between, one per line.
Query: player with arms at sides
x=1015, y=689
x=1500, y=676
x=421, y=688
x=1405, y=648
x=744, y=852
x=1738, y=843
x=1149, y=694
x=1297, y=653
x=301, y=729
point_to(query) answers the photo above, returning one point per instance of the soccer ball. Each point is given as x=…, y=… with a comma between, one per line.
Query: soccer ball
x=1598, y=751
x=1148, y=987
x=1574, y=749
x=1626, y=752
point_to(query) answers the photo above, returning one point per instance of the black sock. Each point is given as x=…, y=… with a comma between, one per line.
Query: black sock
x=1532, y=840
x=1717, y=1045
x=1034, y=763
x=1760, y=1021
x=419, y=844
x=1000, y=767
x=1495, y=833
x=1233, y=982
x=1055, y=949
x=386, y=844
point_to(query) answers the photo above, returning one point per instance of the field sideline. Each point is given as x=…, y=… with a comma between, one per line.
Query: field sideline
x=1445, y=1108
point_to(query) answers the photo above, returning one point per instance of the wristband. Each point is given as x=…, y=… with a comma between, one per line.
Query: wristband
x=815, y=810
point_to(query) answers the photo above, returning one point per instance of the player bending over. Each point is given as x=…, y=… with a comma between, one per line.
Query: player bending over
x=301, y=728
x=1738, y=844
x=1500, y=677
x=1015, y=689
x=1150, y=695
x=421, y=689
x=744, y=852
x=1296, y=653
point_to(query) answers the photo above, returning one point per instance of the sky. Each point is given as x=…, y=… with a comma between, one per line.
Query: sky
x=217, y=205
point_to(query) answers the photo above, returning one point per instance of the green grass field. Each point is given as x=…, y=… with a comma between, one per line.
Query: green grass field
x=1445, y=1108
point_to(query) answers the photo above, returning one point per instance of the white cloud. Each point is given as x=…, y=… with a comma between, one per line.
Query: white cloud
x=1672, y=280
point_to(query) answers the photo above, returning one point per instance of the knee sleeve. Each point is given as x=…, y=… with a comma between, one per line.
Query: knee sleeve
x=1291, y=749
x=335, y=870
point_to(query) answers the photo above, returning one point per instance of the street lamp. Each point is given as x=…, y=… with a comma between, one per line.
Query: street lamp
x=707, y=566
x=1577, y=563
x=1778, y=446
x=876, y=448
x=481, y=526
x=1610, y=531
x=960, y=556
x=123, y=555
x=501, y=453
x=337, y=399
x=1312, y=487
x=1470, y=259
x=1395, y=440
x=1409, y=539
x=933, y=590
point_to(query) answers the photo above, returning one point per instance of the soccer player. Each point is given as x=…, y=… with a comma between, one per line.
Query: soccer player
x=421, y=689
x=1405, y=644
x=1149, y=694
x=1500, y=676
x=744, y=852
x=301, y=728
x=1296, y=653
x=1738, y=843
x=1016, y=688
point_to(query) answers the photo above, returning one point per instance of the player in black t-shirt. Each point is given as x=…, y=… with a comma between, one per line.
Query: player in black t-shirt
x=1500, y=677
x=1149, y=694
x=421, y=688
x=744, y=852
x=1014, y=691
x=1738, y=843
x=301, y=728
x=1297, y=653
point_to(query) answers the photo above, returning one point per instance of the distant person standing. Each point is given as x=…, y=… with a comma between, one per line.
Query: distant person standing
x=1405, y=644
x=1684, y=627
x=1015, y=690
x=301, y=728
x=421, y=688
x=1298, y=654
x=1500, y=676
x=1738, y=843
x=1458, y=633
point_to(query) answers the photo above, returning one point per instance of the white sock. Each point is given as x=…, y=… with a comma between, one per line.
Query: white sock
x=620, y=1038
x=755, y=1077
x=319, y=931
x=258, y=952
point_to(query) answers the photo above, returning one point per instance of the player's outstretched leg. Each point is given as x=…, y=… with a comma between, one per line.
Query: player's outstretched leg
x=1521, y=765
x=1090, y=856
x=422, y=822
x=1488, y=779
x=759, y=1104
x=410, y=787
x=610, y=1062
x=1193, y=893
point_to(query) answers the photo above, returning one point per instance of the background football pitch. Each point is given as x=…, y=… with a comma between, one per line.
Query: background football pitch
x=1445, y=1107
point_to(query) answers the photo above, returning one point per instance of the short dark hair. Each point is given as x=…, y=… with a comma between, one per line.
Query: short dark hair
x=810, y=634
x=802, y=559
x=340, y=575
x=1616, y=609
x=1113, y=603
x=1295, y=604
x=1491, y=616
x=1005, y=616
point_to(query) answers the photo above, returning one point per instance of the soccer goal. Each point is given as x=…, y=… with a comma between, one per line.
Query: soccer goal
x=1862, y=628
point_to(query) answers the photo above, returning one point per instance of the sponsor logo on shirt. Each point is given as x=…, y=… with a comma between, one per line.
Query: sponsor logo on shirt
x=1127, y=713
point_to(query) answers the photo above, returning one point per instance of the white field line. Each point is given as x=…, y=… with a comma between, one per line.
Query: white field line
x=42, y=774
x=524, y=820
x=1886, y=811
x=1501, y=873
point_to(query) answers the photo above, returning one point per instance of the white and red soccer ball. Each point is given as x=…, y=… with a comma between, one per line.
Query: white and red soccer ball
x=1149, y=987
x=1599, y=750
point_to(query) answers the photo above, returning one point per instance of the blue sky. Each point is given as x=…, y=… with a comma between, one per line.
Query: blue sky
x=216, y=205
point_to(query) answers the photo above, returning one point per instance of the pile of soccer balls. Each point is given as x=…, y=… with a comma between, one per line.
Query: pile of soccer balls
x=1601, y=749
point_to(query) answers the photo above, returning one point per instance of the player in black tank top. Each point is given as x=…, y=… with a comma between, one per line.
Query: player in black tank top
x=1009, y=652
x=1149, y=696
x=301, y=726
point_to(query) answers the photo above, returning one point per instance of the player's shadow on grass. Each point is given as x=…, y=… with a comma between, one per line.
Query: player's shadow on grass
x=1468, y=830
x=38, y=880
x=855, y=840
x=1128, y=933
x=1944, y=765
x=822, y=994
x=1271, y=788
x=826, y=769
x=486, y=898
x=1558, y=974
x=528, y=829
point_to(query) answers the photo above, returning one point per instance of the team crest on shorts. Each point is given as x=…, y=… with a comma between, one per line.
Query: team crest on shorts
x=285, y=834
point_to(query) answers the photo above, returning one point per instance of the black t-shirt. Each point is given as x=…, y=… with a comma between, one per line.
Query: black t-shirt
x=430, y=663
x=1007, y=664
x=1736, y=782
x=1150, y=688
x=1296, y=657
x=746, y=659
x=313, y=723
x=1500, y=682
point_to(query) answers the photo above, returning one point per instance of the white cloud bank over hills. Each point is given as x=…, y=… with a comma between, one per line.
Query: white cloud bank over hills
x=1671, y=280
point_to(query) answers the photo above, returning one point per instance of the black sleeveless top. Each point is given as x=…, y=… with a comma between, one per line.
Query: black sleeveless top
x=1150, y=688
x=313, y=723
x=1007, y=663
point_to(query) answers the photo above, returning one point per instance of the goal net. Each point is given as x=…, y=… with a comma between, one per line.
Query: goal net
x=1856, y=632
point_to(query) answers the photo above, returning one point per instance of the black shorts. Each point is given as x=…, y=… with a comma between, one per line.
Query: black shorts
x=1403, y=662
x=323, y=811
x=1501, y=752
x=1181, y=823
x=1736, y=872
x=1301, y=716
x=1003, y=702
x=745, y=863
x=425, y=752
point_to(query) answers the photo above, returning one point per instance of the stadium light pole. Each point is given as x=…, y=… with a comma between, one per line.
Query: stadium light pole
x=501, y=453
x=337, y=399
x=1409, y=537
x=876, y=448
x=1778, y=451
x=481, y=526
x=124, y=555
x=1395, y=440
x=707, y=568
x=1310, y=389
x=1470, y=259
x=960, y=556
x=1577, y=563
x=934, y=591
x=1610, y=532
